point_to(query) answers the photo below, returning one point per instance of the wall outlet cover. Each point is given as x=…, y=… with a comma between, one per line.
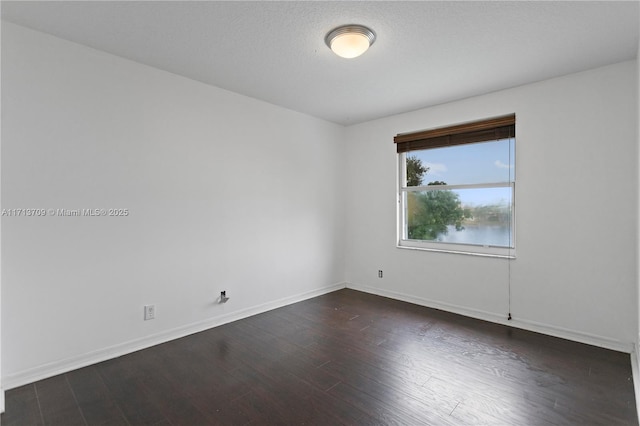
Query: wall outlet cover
x=149, y=312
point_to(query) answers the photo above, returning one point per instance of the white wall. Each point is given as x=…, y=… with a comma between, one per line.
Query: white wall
x=635, y=365
x=576, y=191
x=224, y=192
x=1, y=384
x=638, y=189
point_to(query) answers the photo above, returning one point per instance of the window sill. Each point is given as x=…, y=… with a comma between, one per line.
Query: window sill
x=469, y=250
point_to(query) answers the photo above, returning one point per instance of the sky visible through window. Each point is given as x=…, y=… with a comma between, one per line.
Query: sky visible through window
x=484, y=162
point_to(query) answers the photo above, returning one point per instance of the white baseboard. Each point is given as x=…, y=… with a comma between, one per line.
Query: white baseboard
x=1, y=400
x=537, y=327
x=52, y=369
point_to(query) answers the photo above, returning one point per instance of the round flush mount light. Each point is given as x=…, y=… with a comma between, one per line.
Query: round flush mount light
x=350, y=41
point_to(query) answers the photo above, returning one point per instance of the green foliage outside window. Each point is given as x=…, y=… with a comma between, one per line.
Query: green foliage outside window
x=431, y=212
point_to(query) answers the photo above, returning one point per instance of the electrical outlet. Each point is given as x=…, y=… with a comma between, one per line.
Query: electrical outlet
x=379, y=273
x=149, y=312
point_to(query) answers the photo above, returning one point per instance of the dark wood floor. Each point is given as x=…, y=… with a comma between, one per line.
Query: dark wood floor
x=343, y=358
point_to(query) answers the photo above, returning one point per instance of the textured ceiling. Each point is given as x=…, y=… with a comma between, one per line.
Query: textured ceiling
x=426, y=52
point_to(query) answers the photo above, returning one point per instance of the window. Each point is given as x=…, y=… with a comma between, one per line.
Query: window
x=457, y=188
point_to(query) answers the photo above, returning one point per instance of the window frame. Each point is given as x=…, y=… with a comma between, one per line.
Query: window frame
x=441, y=138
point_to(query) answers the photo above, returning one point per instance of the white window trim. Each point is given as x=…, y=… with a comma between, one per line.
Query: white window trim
x=444, y=247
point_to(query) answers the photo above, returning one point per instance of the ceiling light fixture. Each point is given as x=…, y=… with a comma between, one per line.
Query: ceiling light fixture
x=350, y=41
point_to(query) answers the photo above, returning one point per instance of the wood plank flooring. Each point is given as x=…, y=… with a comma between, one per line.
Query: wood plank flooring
x=345, y=358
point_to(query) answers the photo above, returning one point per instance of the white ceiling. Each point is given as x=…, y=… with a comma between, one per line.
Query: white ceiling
x=426, y=52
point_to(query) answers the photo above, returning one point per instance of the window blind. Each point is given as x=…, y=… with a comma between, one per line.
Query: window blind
x=491, y=129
